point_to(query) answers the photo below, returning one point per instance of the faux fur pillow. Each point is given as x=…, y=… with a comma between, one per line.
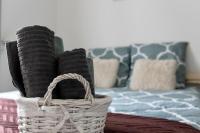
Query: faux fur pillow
x=105, y=72
x=154, y=75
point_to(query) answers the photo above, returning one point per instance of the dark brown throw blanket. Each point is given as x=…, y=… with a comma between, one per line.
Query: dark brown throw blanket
x=120, y=123
x=116, y=123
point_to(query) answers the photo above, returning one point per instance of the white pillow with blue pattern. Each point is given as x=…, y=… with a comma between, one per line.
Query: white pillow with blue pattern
x=163, y=51
x=105, y=72
x=122, y=54
x=153, y=75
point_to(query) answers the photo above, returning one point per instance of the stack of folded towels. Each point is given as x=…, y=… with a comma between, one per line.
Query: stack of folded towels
x=34, y=63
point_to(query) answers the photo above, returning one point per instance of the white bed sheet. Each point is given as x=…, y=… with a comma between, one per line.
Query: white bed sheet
x=10, y=95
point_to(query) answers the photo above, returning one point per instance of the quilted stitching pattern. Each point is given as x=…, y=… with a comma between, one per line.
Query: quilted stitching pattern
x=179, y=105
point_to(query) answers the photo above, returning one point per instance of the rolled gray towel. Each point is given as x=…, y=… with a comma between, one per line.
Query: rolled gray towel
x=37, y=59
x=14, y=66
x=91, y=71
x=74, y=61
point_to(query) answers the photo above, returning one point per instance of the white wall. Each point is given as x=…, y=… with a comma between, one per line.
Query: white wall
x=99, y=23
x=16, y=14
x=20, y=13
x=102, y=23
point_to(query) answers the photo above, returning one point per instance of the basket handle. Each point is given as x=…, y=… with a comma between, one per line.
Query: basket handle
x=86, y=86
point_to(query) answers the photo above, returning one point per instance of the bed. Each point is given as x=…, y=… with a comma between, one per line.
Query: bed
x=10, y=95
x=181, y=105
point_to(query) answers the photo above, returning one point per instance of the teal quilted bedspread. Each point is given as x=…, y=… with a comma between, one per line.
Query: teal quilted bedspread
x=181, y=105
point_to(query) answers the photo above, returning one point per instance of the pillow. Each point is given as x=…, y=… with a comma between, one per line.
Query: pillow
x=154, y=75
x=122, y=54
x=163, y=51
x=105, y=72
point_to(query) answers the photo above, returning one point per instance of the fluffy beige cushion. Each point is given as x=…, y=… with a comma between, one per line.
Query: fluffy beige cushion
x=154, y=75
x=105, y=72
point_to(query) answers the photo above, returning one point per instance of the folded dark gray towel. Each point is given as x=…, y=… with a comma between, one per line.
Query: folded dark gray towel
x=37, y=59
x=59, y=48
x=34, y=30
x=74, y=61
x=91, y=71
x=14, y=66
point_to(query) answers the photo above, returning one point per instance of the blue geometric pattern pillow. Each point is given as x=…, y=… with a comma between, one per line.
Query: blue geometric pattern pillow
x=161, y=51
x=122, y=54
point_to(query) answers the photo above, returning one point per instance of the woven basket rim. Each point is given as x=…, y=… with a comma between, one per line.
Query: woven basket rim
x=55, y=102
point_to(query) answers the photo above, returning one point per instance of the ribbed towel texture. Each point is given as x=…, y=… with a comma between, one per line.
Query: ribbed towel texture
x=37, y=59
x=74, y=61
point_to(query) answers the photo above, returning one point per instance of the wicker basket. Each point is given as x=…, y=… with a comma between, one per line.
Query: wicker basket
x=47, y=115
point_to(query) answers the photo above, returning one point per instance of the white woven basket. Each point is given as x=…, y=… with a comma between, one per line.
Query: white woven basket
x=47, y=115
